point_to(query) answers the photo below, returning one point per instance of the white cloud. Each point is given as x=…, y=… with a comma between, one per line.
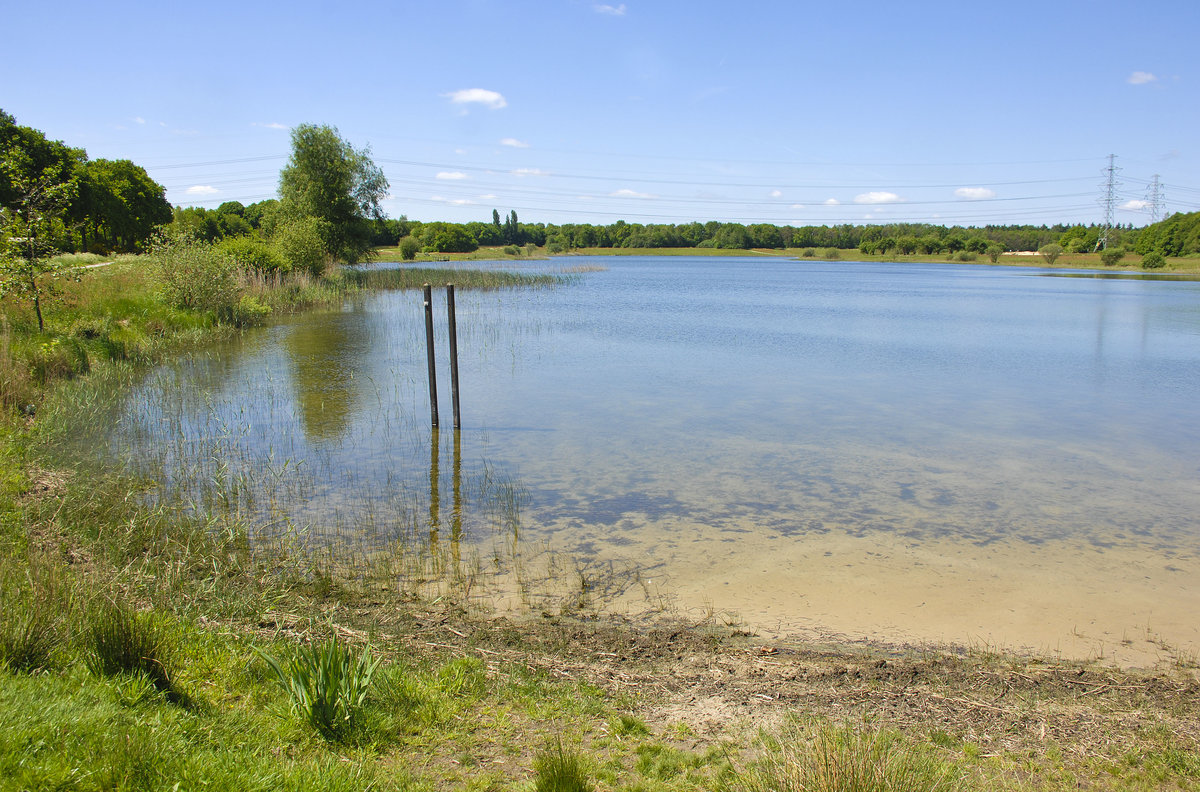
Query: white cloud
x=488, y=197
x=876, y=197
x=832, y=202
x=489, y=99
x=776, y=194
x=529, y=172
x=452, y=201
x=201, y=189
x=609, y=10
x=629, y=194
x=514, y=143
x=1135, y=205
x=974, y=193
x=797, y=206
x=451, y=175
x=1141, y=78
x=139, y=120
x=271, y=125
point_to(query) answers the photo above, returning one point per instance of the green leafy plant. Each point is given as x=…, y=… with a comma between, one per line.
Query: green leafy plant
x=327, y=684
x=1112, y=256
x=1051, y=253
x=560, y=770
x=1153, y=260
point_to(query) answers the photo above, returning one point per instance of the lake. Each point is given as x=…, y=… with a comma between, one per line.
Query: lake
x=908, y=453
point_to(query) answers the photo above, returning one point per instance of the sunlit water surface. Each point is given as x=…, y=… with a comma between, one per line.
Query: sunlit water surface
x=899, y=452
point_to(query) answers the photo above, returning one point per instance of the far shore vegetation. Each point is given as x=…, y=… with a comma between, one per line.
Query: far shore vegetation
x=147, y=642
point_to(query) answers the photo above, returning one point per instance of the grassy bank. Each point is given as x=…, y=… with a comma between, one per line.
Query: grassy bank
x=149, y=644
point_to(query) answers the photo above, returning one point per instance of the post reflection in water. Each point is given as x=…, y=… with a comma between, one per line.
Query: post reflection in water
x=435, y=504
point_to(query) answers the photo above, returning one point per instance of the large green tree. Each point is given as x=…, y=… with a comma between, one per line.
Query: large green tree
x=328, y=179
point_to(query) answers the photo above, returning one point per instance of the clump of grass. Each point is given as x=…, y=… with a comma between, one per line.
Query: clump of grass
x=31, y=623
x=327, y=684
x=119, y=640
x=840, y=759
x=560, y=770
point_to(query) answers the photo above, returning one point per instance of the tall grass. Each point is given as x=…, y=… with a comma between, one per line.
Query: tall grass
x=558, y=769
x=841, y=759
x=119, y=640
x=32, y=623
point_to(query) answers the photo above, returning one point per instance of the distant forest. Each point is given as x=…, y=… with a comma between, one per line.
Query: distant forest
x=114, y=206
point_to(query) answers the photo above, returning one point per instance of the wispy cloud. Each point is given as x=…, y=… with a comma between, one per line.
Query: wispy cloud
x=201, y=189
x=452, y=201
x=877, y=197
x=488, y=197
x=451, y=175
x=1141, y=78
x=514, y=143
x=271, y=125
x=529, y=172
x=1135, y=205
x=832, y=202
x=139, y=120
x=629, y=194
x=974, y=193
x=776, y=193
x=609, y=10
x=797, y=206
x=489, y=99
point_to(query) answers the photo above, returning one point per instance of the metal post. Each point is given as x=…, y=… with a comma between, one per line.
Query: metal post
x=433, y=405
x=453, y=355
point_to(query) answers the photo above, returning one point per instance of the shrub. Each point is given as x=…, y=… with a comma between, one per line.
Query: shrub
x=197, y=276
x=409, y=248
x=1153, y=260
x=966, y=255
x=121, y=641
x=994, y=251
x=560, y=770
x=1051, y=253
x=327, y=684
x=512, y=250
x=1112, y=256
x=832, y=254
x=254, y=254
x=299, y=243
x=808, y=252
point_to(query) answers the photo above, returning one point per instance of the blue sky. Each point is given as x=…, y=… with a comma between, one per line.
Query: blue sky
x=571, y=111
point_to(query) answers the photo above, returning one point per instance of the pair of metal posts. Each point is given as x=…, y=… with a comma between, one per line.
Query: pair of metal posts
x=433, y=400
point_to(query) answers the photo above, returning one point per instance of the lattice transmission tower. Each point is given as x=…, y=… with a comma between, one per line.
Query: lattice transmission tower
x=1156, y=201
x=1108, y=200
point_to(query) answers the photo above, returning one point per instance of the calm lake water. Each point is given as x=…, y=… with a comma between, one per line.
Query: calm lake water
x=905, y=452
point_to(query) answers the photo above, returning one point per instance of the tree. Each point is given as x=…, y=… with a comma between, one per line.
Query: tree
x=1051, y=253
x=328, y=179
x=33, y=220
x=123, y=204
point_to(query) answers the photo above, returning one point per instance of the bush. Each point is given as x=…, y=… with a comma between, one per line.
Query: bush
x=327, y=684
x=1153, y=260
x=994, y=251
x=808, y=252
x=512, y=250
x=966, y=255
x=832, y=254
x=299, y=244
x=409, y=248
x=1112, y=256
x=1051, y=253
x=197, y=276
x=254, y=254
